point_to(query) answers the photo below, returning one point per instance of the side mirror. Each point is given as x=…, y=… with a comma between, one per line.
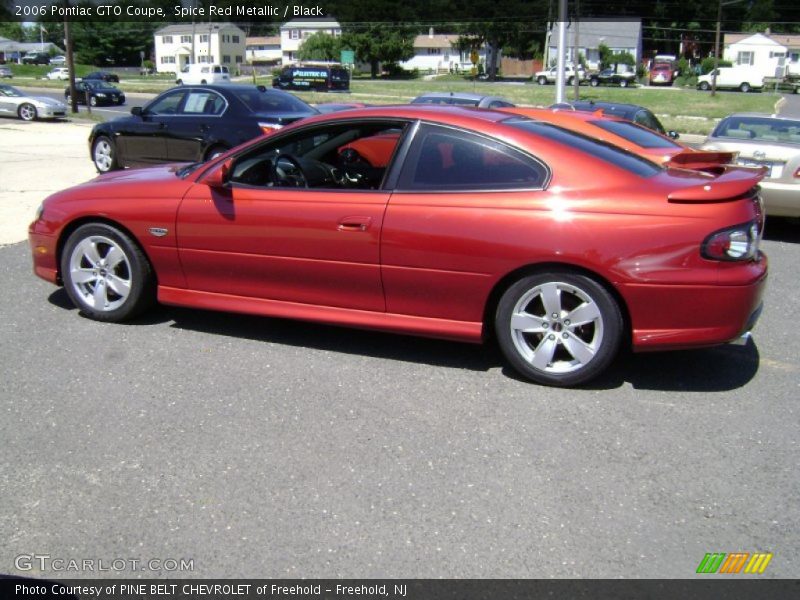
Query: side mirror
x=136, y=111
x=673, y=134
x=217, y=179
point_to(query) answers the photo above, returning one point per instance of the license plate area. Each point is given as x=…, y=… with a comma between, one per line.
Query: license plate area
x=774, y=169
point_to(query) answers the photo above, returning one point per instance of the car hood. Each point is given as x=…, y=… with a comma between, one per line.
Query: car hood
x=47, y=101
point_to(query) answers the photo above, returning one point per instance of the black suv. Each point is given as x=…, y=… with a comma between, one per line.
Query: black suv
x=36, y=58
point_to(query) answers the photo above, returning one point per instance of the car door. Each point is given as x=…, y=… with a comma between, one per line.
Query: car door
x=316, y=245
x=141, y=139
x=454, y=199
x=200, y=112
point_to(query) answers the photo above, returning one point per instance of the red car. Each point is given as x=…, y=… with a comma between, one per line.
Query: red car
x=479, y=224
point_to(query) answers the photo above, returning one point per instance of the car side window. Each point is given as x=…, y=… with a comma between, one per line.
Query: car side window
x=203, y=103
x=443, y=159
x=646, y=119
x=167, y=105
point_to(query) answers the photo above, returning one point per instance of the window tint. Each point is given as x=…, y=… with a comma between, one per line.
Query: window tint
x=203, y=103
x=269, y=101
x=648, y=119
x=166, y=105
x=606, y=152
x=444, y=159
x=759, y=128
x=645, y=138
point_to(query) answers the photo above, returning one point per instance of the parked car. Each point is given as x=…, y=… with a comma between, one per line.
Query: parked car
x=102, y=76
x=464, y=224
x=36, y=58
x=58, y=60
x=5, y=72
x=60, y=73
x=611, y=77
x=630, y=112
x=550, y=75
x=462, y=99
x=319, y=78
x=740, y=77
x=328, y=107
x=16, y=103
x=630, y=136
x=203, y=73
x=662, y=74
x=98, y=93
x=770, y=142
x=192, y=123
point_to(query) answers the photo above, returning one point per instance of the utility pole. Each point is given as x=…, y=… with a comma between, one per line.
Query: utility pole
x=562, y=42
x=716, y=50
x=73, y=96
x=576, y=54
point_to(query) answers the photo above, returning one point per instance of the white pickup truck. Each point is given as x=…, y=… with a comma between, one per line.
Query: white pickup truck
x=549, y=76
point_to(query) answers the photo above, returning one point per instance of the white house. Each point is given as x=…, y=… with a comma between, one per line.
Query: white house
x=438, y=52
x=771, y=54
x=295, y=31
x=264, y=49
x=221, y=43
x=618, y=36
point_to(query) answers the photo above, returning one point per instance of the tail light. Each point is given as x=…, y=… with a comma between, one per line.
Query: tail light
x=739, y=242
x=797, y=173
x=269, y=127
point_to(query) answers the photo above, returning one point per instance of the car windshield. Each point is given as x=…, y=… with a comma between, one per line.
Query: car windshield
x=273, y=102
x=11, y=91
x=760, y=128
x=602, y=150
x=645, y=138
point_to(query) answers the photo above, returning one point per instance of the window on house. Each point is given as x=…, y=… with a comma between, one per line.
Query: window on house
x=204, y=38
x=235, y=39
x=166, y=39
x=186, y=39
x=226, y=59
x=239, y=58
x=744, y=58
x=433, y=51
x=294, y=34
x=167, y=60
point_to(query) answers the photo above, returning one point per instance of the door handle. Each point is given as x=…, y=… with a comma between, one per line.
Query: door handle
x=354, y=223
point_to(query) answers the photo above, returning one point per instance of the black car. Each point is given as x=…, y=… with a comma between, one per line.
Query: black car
x=36, y=58
x=611, y=77
x=97, y=93
x=192, y=123
x=102, y=76
x=630, y=112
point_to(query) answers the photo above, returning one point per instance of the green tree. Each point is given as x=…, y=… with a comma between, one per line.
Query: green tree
x=375, y=43
x=321, y=46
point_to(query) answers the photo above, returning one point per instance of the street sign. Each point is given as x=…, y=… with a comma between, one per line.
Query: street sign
x=348, y=57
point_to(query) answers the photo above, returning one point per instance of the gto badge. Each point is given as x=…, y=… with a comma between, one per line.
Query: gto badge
x=158, y=231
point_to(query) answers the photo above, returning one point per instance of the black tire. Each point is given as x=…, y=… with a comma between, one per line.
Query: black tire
x=554, y=351
x=542, y=80
x=106, y=274
x=214, y=152
x=27, y=112
x=179, y=82
x=704, y=86
x=594, y=82
x=203, y=81
x=623, y=83
x=745, y=87
x=570, y=80
x=67, y=99
x=104, y=154
x=93, y=101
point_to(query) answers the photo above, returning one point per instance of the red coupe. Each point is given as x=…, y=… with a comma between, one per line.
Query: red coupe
x=436, y=221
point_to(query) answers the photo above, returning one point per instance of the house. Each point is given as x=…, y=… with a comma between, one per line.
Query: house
x=179, y=45
x=773, y=55
x=439, y=52
x=13, y=51
x=295, y=31
x=263, y=49
x=618, y=36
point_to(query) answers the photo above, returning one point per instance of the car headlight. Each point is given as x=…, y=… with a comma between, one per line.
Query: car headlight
x=100, y=95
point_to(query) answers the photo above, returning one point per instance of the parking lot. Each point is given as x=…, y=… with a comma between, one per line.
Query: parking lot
x=254, y=446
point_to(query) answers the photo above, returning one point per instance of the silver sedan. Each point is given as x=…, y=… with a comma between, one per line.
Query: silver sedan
x=15, y=103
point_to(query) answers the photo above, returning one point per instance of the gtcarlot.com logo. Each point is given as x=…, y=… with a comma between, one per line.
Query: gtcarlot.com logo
x=734, y=563
x=46, y=562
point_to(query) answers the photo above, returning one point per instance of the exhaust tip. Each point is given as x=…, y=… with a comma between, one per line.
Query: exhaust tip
x=742, y=339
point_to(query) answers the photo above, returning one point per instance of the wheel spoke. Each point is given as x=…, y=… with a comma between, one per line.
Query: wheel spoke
x=551, y=298
x=119, y=286
x=100, y=295
x=578, y=348
x=113, y=257
x=585, y=313
x=89, y=250
x=527, y=323
x=543, y=355
x=83, y=275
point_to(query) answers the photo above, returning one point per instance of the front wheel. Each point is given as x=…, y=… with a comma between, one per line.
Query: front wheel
x=594, y=82
x=745, y=87
x=106, y=275
x=104, y=155
x=542, y=80
x=704, y=86
x=558, y=328
x=623, y=83
x=93, y=101
x=27, y=112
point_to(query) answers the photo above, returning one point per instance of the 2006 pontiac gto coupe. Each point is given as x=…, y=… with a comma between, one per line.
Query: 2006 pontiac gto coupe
x=447, y=222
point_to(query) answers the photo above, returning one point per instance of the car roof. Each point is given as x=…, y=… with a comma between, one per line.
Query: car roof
x=436, y=112
x=762, y=116
x=462, y=95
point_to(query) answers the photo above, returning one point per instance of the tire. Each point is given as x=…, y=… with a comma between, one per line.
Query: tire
x=745, y=87
x=594, y=82
x=179, y=82
x=106, y=275
x=571, y=81
x=203, y=81
x=67, y=99
x=623, y=83
x=104, y=154
x=542, y=80
x=214, y=152
x=550, y=349
x=704, y=86
x=93, y=101
x=27, y=112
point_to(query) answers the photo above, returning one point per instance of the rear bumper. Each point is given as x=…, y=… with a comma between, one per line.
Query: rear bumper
x=780, y=199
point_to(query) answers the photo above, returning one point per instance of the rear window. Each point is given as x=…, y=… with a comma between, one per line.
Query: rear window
x=601, y=150
x=340, y=75
x=269, y=101
x=644, y=138
x=759, y=128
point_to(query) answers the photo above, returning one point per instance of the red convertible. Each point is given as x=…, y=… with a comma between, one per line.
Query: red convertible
x=435, y=221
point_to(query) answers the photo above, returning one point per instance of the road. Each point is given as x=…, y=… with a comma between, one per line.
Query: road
x=256, y=446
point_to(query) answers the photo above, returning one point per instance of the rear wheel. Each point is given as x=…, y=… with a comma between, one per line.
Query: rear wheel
x=27, y=112
x=570, y=81
x=623, y=83
x=594, y=82
x=93, y=101
x=106, y=274
x=558, y=328
x=745, y=87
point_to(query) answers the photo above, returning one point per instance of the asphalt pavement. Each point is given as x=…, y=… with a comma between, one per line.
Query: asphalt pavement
x=272, y=448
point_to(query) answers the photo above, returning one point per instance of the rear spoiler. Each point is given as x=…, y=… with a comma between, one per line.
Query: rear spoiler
x=701, y=159
x=733, y=183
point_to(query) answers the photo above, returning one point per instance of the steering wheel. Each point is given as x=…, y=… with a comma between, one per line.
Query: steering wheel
x=287, y=172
